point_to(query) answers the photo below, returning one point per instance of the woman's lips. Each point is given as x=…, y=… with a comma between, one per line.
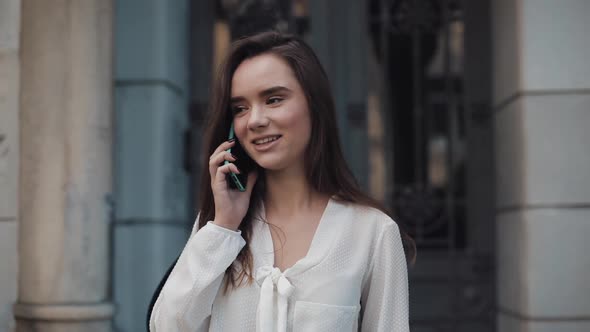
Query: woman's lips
x=266, y=146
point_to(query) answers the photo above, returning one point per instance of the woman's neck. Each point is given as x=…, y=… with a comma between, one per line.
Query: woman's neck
x=288, y=193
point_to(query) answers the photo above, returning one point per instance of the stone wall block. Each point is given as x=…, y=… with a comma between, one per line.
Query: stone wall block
x=9, y=142
x=542, y=151
x=150, y=180
x=143, y=249
x=8, y=273
x=507, y=57
x=151, y=41
x=507, y=323
x=542, y=272
x=555, y=45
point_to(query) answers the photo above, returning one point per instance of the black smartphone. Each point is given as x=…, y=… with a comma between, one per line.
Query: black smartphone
x=243, y=161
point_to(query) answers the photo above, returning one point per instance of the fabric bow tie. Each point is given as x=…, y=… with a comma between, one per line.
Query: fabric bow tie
x=268, y=277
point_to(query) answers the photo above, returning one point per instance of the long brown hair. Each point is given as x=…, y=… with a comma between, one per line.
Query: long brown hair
x=325, y=167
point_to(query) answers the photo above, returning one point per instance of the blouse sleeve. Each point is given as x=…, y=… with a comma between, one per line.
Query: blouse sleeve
x=185, y=302
x=385, y=293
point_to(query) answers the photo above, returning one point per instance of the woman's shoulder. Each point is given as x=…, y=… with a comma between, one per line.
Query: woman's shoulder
x=366, y=226
x=366, y=216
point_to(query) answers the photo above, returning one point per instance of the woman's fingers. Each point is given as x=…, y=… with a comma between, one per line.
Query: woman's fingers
x=225, y=169
x=222, y=156
x=221, y=170
x=216, y=160
x=222, y=147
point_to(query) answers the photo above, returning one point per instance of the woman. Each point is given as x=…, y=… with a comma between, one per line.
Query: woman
x=302, y=248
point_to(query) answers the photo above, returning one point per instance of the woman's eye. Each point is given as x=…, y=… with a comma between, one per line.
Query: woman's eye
x=274, y=100
x=237, y=109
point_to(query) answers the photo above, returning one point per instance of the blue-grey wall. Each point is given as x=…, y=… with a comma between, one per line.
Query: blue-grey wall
x=151, y=186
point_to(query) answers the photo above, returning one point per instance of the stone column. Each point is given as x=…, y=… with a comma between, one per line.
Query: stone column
x=542, y=138
x=65, y=160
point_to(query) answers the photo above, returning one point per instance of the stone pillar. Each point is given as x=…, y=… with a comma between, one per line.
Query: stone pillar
x=9, y=91
x=65, y=163
x=542, y=138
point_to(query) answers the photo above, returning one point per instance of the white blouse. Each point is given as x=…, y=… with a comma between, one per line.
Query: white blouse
x=353, y=278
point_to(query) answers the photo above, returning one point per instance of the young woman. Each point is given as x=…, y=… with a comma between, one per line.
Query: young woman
x=302, y=248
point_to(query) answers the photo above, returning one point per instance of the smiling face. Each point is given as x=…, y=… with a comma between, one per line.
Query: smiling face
x=271, y=114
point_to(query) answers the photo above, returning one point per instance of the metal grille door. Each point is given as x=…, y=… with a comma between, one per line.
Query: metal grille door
x=420, y=46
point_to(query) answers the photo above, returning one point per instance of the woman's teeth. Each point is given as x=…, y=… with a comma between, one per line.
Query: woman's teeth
x=266, y=140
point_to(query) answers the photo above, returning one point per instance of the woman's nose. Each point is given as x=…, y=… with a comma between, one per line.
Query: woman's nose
x=257, y=118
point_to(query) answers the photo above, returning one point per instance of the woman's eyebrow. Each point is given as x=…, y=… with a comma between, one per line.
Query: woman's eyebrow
x=263, y=93
x=235, y=100
x=273, y=90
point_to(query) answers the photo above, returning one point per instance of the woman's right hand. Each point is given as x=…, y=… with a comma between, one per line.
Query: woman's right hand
x=230, y=205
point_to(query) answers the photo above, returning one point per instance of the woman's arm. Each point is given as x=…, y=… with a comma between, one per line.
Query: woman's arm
x=385, y=294
x=185, y=302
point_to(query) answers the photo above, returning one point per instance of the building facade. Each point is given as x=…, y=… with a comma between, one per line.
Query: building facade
x=469, y=119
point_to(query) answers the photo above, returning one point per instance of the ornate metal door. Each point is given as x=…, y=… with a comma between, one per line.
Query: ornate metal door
x=441, y=149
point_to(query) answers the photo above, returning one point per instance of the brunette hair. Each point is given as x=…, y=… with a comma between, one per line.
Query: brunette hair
x=325, y=167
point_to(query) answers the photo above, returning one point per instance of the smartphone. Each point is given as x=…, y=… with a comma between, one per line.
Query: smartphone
x=244, y=163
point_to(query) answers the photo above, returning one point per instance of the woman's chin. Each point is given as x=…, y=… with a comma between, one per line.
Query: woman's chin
x=271, y=165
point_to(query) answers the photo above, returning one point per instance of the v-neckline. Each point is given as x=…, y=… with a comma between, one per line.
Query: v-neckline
x=312, y=252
